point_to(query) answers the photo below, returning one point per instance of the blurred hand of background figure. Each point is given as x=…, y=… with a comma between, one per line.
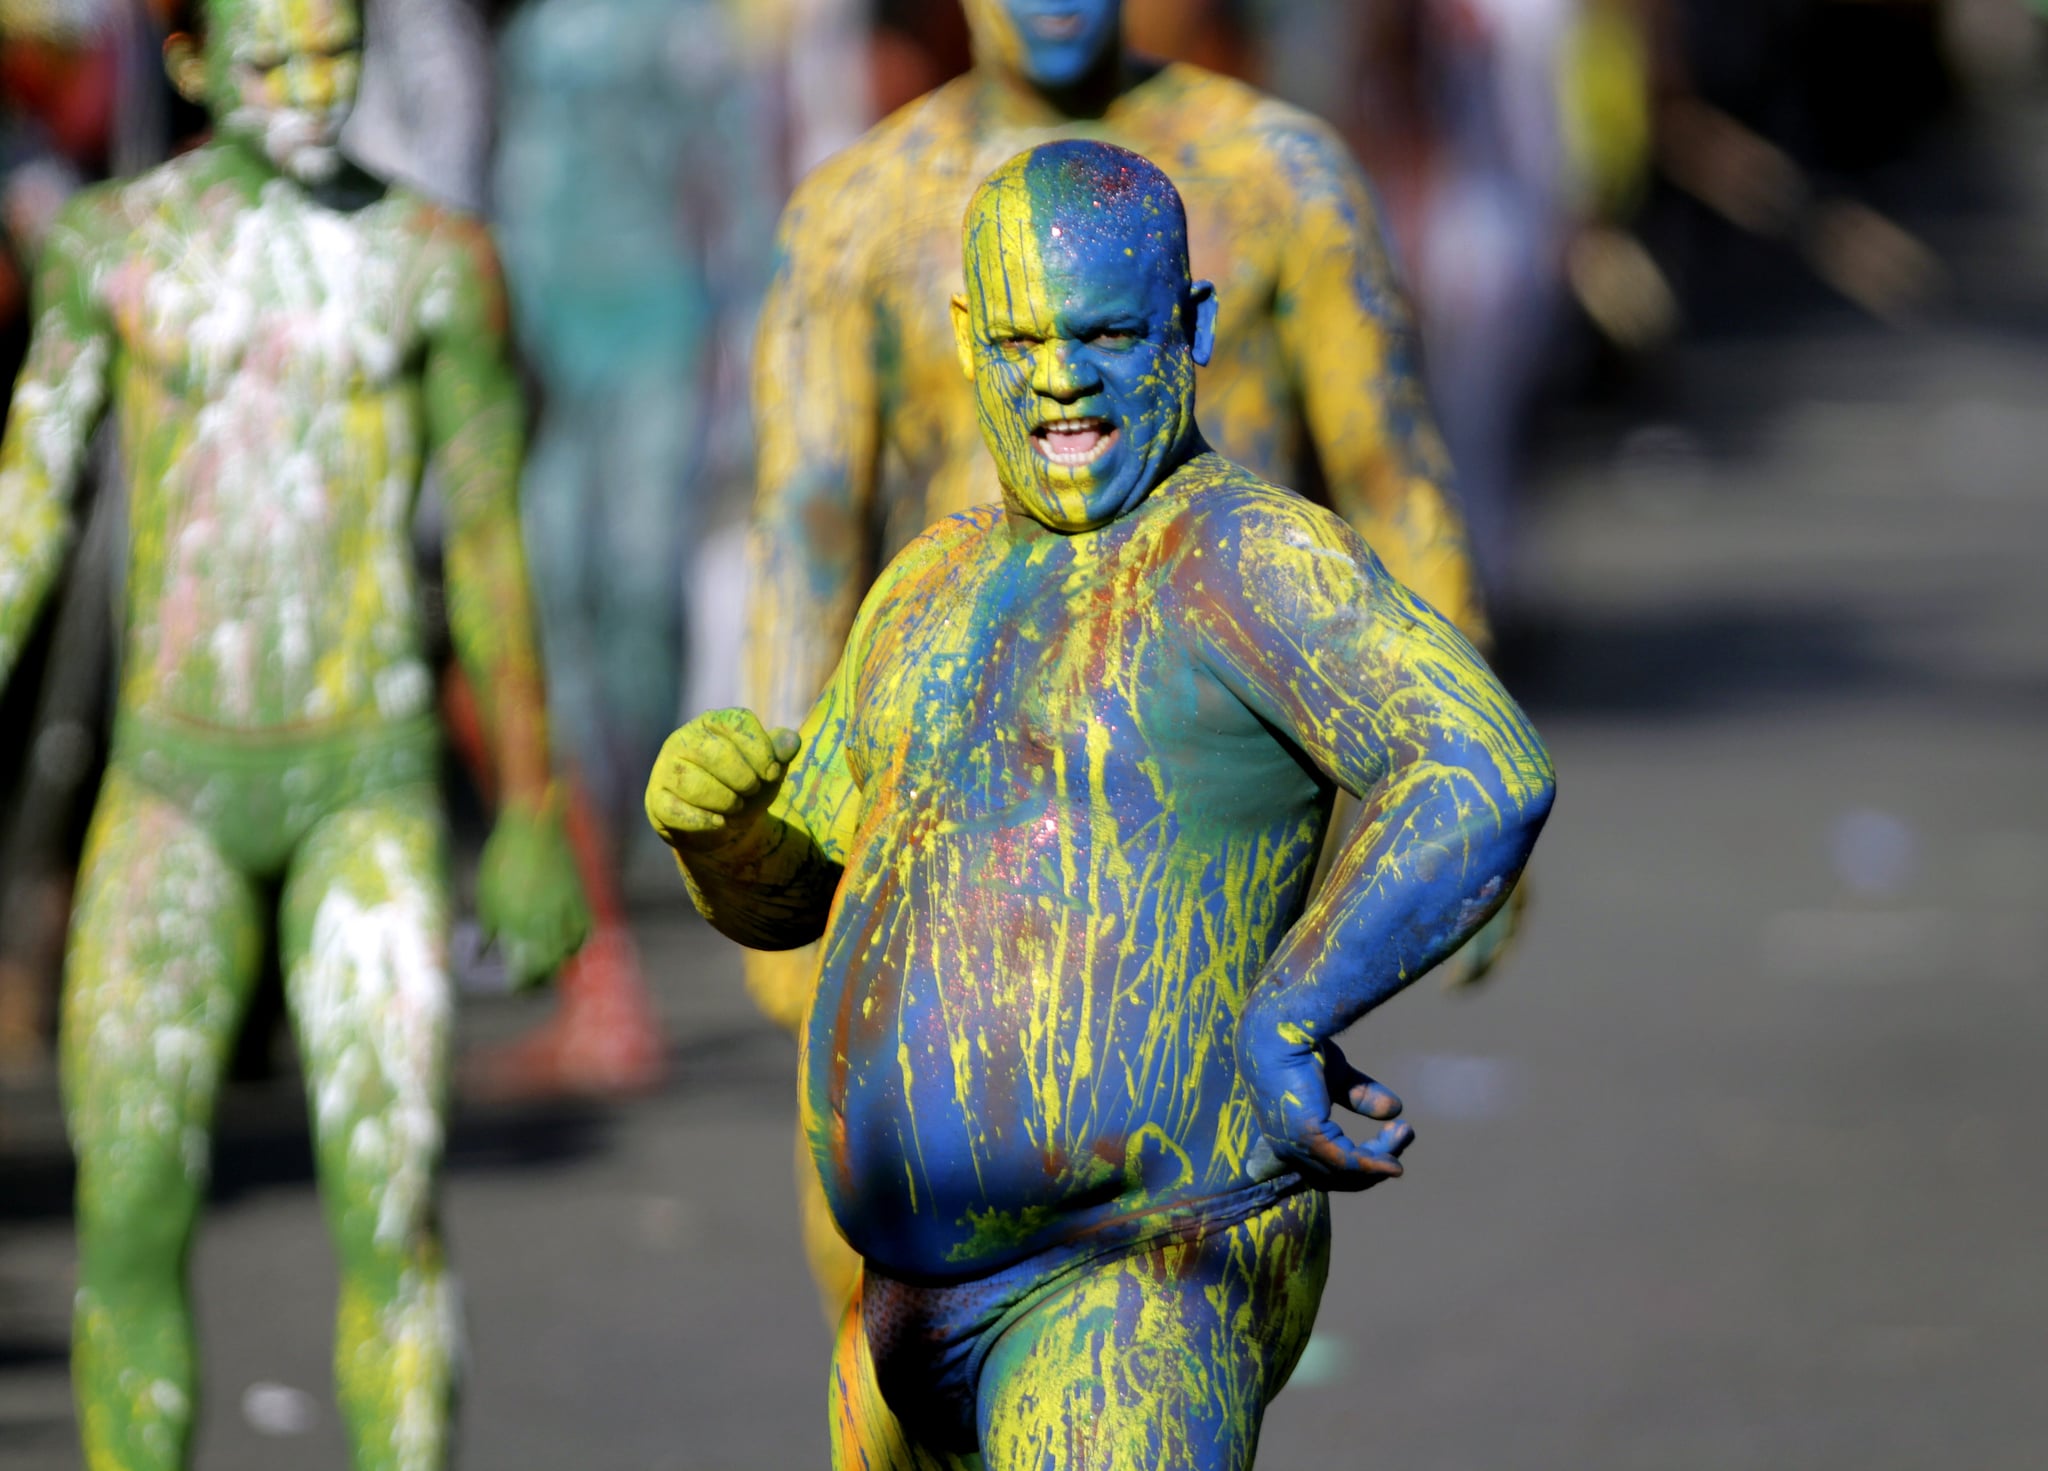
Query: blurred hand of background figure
x=529, y=895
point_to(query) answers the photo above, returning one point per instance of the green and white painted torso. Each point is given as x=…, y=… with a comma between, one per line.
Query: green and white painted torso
x=268, y=391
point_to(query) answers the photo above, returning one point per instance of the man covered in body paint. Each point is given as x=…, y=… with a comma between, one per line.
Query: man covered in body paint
x=283, y=340
x=866, y=434
x=1069, y=1074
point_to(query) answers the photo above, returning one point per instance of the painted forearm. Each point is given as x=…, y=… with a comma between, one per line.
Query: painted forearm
x=1398, y=498
x=1437, y=849
x=35, y=529
x=769, y=888
x=1348, y=329
x=490, y=603
x=818, y=424
x=57, y=403
x=810, y=567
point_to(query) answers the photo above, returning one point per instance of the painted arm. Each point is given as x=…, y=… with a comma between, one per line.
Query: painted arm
x=1351, y=345
x=1396, y=708
x=58, y=401
x=760, y=820
x=528, y=894
x=817, y=417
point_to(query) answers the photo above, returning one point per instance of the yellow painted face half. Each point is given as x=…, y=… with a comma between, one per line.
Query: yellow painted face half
x=1081, y=330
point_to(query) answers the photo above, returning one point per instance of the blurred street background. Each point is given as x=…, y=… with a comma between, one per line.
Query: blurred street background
x=1734, y=1163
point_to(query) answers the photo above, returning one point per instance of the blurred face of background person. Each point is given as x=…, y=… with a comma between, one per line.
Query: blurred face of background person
x=278, y=76
x=1052, y=44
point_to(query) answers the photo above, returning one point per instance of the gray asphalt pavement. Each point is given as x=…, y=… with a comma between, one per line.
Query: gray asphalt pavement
x=1735, y=1166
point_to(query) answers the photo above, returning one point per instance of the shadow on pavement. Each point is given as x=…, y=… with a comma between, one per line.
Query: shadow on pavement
x=262, y=1142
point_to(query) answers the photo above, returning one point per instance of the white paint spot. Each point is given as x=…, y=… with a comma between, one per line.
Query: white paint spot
x=279, y=1409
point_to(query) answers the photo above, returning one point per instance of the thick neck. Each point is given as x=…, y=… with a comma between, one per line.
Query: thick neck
x=1014, y=100
x=241, y=160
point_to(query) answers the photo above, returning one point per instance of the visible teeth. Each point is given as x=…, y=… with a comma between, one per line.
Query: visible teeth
x=1057, y=27
x=1073, y=442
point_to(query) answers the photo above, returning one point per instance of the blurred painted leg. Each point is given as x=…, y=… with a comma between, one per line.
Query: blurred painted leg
x=365, y=921
x=1165, y=1358
x=781, y=982
x=866, y=1435
x=164, y=948
x=835, y=1266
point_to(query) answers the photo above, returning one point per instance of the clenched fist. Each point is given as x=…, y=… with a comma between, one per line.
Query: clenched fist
x=715, y=777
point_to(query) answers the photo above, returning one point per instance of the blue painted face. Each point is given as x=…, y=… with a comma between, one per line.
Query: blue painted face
x=1082, y=330
x=1052, y=43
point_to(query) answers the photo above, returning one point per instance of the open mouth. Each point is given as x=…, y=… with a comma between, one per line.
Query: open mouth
x=1074, y=442
x=1057, y=27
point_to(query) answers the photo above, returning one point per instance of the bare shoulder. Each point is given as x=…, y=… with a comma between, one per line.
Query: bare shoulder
x=464, y=280
x=91, y=224
x=1214, y=502
x=1261, y=552
x=935, y=554
x=1236, y=114
x=935, y=560
x=101, y=218
x=854, y=189
x=455, y=237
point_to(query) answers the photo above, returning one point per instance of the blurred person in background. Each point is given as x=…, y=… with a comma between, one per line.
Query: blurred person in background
x=868, y=432
x=1484, y=231
x=638, y=169
x=284, y=340
x=1496, y=130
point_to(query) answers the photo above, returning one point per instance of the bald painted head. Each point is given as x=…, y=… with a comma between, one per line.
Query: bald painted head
x=1081, y=330
x=279, y=76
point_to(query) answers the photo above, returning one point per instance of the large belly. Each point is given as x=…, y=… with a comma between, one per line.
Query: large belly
x=272, y=581
x=1021, y=1035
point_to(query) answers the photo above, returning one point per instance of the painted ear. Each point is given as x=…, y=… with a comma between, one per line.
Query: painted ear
x=963, y=336
x=1202, y=304
x=185, y=66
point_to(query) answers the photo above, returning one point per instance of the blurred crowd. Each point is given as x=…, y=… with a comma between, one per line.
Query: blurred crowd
x=1553, y=174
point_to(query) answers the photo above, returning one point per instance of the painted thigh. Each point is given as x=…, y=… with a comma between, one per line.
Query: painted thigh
x=365, y=923
x=1165, y=1358
x=165, y=942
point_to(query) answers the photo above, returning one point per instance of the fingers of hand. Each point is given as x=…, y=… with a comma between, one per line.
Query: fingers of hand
x=720, y=754
x=671, y=814
x=700, y=786
x=1374, y=1100
x=743, y=732
x=1354, y=1090
x=787, y=743
x=1355, y=1166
